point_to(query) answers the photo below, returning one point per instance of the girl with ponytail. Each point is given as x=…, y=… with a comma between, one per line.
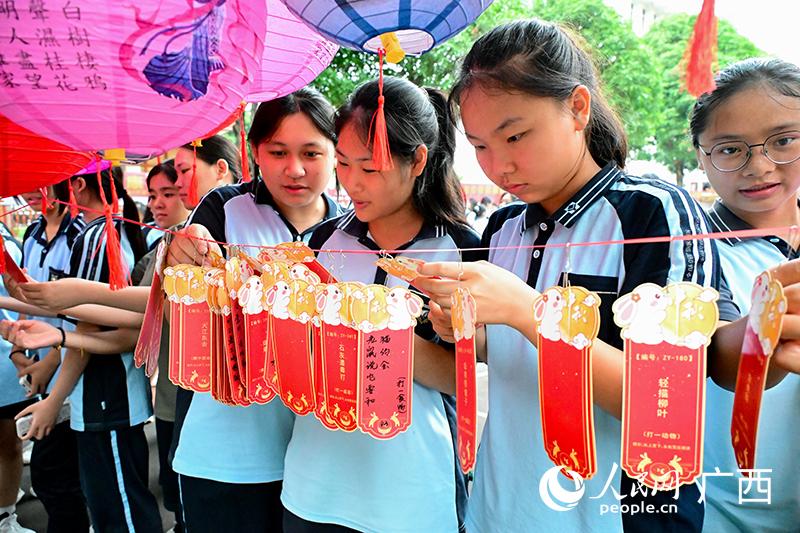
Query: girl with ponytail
x=340, y=481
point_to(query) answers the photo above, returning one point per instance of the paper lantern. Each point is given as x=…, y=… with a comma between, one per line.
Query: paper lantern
x=29, y=161
x=294, y=55
x=419, y=25
x=144, y=76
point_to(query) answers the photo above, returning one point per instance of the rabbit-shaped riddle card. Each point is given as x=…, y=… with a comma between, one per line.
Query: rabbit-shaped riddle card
x=666, y=331
x=568, y=320
x=463, y=319
x=760, y=339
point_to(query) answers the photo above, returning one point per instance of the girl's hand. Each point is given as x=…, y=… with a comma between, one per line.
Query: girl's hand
x=44, y=418
x=30, y=334
x=500, y=296
x=190, y=247
x=13, y=288
x=441, y=320
x=41, y=372
x=54, y=295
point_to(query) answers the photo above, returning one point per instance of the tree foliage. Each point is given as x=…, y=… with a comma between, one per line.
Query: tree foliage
x=667, y=39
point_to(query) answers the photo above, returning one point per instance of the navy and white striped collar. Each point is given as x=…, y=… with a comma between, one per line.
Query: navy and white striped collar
x=351, y=225
x=41, y=225
x=723, y=219
x=570, y=212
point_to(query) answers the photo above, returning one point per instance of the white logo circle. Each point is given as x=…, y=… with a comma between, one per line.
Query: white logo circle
x=557, y=497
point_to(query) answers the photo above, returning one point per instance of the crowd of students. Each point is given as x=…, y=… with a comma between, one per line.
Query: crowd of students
x=532, y=105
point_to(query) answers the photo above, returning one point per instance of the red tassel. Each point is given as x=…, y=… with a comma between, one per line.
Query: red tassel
x=193, y=197
x=114, y=197
x=43, y=192
x=158, y=160
x=701, y=53
x=243, y=141
x=2, y=255
x=117, y=276
x=73, y=203
x=381, y=152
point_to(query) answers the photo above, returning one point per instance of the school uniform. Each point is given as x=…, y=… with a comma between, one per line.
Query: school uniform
x=152, y=236
x=511, y=459
x=743, y=259
x=230, y=459
x=110, y=403
x=12, y=395
x=54, y=460
x=411, y=482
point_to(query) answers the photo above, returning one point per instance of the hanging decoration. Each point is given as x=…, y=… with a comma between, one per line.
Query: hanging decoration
x=701, y=52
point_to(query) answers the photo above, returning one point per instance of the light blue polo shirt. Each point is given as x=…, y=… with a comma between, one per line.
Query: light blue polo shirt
x=10, y=390
x=234, y=444
x=511, y=459
x=778, y=443
x=409, y=483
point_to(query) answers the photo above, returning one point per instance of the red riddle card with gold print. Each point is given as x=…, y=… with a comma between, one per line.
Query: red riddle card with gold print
x=463, y=318
x=568, y=320
x=761, y=336
x=190, y=348
x=666, y=333
x=293, y=307
x=337, y=357
x=148, y=347
x=385, y=320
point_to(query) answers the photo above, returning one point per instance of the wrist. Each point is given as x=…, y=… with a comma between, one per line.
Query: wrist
x=61, y=344
x=520, y=310
x=18, y=351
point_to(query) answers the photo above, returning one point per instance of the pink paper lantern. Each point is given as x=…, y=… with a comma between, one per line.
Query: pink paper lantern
x=144, y=76
x=294, y=55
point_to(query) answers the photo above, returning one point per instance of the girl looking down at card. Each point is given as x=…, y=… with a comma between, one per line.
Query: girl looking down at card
x=349, y=480
x=747, y=136
x=230, y=459
x=532, y=106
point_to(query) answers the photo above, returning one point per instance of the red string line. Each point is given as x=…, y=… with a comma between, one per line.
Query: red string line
x=742, y=234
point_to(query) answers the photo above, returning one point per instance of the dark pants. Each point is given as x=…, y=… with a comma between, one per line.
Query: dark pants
x=55, y=478
x=213, y=506
x=113, y=468
x=688, y=519
x=167, y=477
x=294, y=524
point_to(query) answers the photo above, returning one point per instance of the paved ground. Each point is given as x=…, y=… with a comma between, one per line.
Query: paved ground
x=32, y=514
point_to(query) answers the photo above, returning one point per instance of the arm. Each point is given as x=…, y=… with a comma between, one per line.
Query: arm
x=434, y=366
x=34, y=334
x=92, y=313
x=69, y=292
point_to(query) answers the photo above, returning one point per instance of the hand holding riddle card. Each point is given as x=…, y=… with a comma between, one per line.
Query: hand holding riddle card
x=13, y=269
x=763, y=331
x=666, y=333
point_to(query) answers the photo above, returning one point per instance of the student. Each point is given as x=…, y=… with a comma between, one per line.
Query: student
x=110, y=398
x=230, y=459
x=215, y=161
x=12, y=399
x=340, y=481
x=747, y=136
x=532, y=106
x=54, y=459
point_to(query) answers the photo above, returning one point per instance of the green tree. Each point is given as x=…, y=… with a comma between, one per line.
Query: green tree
x=667, y=39
x=632, y=83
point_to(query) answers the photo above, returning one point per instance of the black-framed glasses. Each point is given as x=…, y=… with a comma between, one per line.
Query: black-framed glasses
x=780, y=148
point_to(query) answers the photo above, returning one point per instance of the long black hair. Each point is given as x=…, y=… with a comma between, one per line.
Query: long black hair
x=544, y=59
x=114, y=178
x=215, y=148
x=781, y=76
x=414, y=116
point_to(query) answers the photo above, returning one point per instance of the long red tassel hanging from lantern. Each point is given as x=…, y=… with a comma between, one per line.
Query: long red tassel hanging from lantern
x=194, y=198
x=73, y=203
x=43, y=192
x=243, y=142
x=117, y=276
x=381, y=152
x=701, y=52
